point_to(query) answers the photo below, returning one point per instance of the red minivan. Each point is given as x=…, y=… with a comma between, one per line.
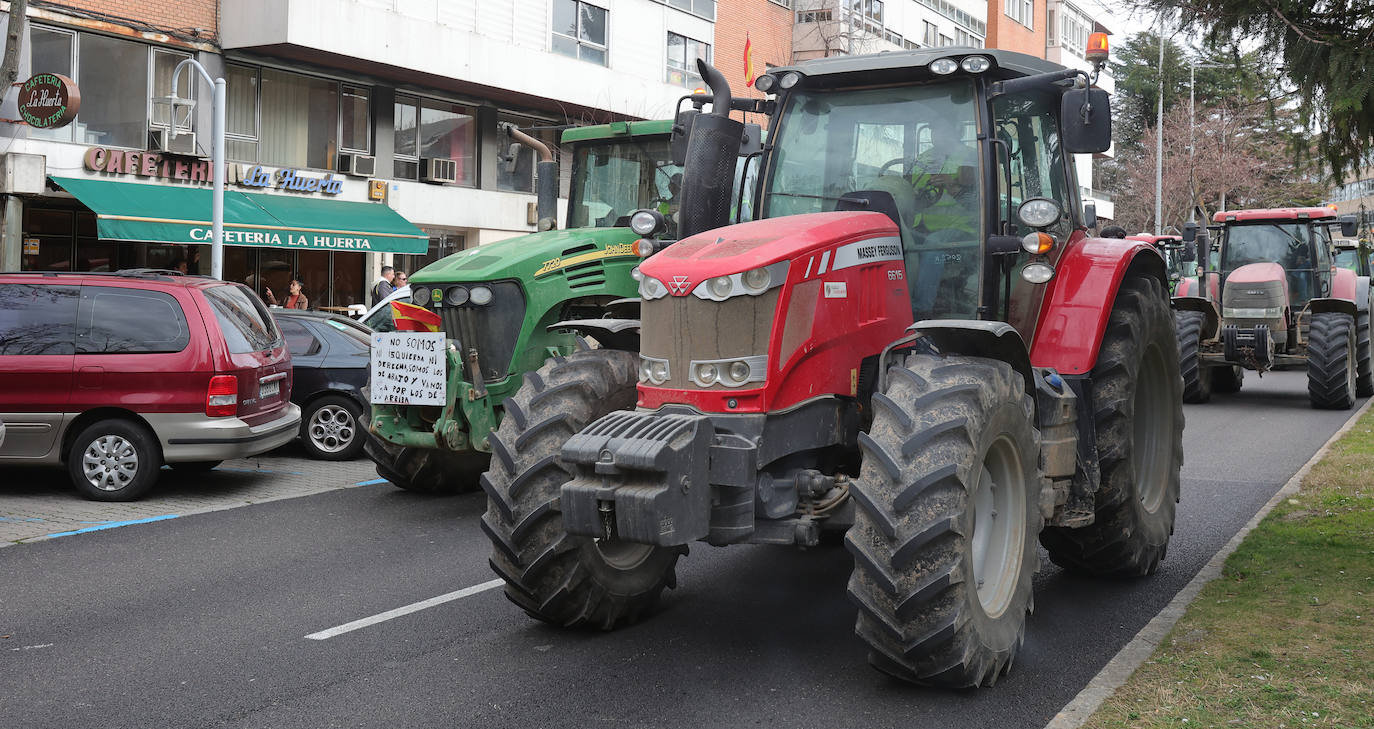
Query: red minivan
x=115, y=374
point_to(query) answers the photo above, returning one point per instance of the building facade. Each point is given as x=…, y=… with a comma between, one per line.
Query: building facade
x=846, y=27
x=404, y=116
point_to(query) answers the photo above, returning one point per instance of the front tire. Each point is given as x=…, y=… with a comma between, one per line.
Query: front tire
x=1331, y=368
x=1197, y=377
x=556, y=577
x=331, y=429
x=114, y=460
x=947, y=515
x=1139, y=422
x=426, y=470
x=1364, y=374
x=1228, y=379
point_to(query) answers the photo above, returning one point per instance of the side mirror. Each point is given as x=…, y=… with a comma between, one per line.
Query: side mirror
x=1090, y=215
x=752, y=141
x=511, y=159
x=682, y=130
x=1189, y=232
x=1189, y=251
x=1086, y=116
x=1349, y=226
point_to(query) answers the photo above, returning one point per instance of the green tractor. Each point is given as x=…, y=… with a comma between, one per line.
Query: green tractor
x=508, y=306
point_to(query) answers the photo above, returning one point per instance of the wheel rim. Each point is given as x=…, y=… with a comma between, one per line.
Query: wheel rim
x=1150, y=430
x=623, y=555
x=110, y=463
x=999, y=528
x=332, y=428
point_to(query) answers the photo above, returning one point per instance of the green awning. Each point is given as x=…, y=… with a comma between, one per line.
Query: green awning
x=181, y=214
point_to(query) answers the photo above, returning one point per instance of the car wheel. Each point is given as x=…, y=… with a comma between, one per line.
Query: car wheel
x=114, y=460
x=330, y=429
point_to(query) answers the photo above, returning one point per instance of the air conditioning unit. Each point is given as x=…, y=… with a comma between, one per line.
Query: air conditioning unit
x=438, y=170
x=358, y=165
x=173, y=141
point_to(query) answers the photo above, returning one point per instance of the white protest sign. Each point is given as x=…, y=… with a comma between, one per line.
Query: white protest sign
x=408, y=368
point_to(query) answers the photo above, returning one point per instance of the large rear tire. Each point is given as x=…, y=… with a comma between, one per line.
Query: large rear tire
x=1331, y=367
x=947, y=514
x=554, y=576
x=1139, y=420
x=1197, y=377
x=426, y=470
x=1364, y=375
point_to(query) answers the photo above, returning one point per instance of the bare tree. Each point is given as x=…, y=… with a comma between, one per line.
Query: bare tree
x=832, y=28
x=9, y=68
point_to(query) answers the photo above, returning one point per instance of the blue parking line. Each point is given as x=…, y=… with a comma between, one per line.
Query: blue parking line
x=114, y=524
x=373, y=482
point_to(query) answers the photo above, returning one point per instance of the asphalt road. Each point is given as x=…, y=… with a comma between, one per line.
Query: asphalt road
x=201, y=621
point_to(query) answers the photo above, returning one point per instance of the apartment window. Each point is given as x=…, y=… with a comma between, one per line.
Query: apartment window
x=814, y=16
x=1022, y=11
x=1074, y=31
x=931, y=36
x=164, y=66
x=784, y=3
x=706, y=8
x=683, y=53
x=114, y=77
x=946, y=40
x=579, y=30
x=893, y=37
x=292, y=120
x=432, y=129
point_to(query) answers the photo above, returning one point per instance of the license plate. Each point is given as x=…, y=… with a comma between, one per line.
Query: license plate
x=269, y=390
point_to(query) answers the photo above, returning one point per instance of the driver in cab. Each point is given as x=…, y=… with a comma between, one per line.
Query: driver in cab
x=945, y=227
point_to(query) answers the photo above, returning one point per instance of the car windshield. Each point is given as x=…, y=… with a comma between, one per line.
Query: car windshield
x=612, y=180
x=1287, y=244
x=245, y=322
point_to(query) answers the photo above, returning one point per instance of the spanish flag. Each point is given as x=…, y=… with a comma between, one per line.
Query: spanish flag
x=412, y=318
x=749, y=75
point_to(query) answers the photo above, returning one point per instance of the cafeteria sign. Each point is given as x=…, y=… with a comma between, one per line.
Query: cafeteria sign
x=49, y=101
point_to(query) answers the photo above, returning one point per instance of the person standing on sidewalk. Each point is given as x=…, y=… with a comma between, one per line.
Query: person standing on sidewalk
x=384, y=288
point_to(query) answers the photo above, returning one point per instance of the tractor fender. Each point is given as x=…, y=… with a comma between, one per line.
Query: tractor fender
x=1074, y=314
x=1344, y=285
x=1343, y=306
x=1208, y=309
x=973, y=338
x=1362, y=293
x=622, y=334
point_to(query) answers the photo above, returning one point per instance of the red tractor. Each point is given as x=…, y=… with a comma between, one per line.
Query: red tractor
x=1272, y=297
x=916, y=349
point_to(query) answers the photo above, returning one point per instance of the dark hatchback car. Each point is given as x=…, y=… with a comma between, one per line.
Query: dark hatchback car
x=331, y=357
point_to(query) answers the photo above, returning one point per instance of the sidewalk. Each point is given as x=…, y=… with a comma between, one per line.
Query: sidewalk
x=40, y=503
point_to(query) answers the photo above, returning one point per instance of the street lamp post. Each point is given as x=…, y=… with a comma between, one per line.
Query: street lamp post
x=217, y=108
x=1159, y=139
x=1192, y=133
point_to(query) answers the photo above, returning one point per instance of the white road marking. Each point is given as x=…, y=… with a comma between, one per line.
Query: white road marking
x=1077, y=712
x=406, y=610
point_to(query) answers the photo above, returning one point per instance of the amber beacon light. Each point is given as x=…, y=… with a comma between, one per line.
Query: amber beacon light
x=1097, y=48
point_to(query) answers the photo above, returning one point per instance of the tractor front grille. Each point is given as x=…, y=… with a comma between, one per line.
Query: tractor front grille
x=685, y=328
x=493, y=329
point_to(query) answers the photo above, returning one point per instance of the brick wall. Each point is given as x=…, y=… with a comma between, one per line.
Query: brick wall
x=1008, y=35
x=769, y=29
x=179, y=15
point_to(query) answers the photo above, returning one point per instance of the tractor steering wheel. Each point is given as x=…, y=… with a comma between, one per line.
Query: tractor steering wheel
x=906, y=171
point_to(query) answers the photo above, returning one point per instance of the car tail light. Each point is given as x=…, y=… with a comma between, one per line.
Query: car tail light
x=222, y=399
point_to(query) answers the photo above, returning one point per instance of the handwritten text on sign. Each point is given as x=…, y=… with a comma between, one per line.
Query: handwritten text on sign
x=408, y=368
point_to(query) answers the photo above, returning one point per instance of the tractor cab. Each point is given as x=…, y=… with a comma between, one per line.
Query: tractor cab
x=1352, y=254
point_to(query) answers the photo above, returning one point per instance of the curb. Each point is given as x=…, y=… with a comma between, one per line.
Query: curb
x=1133, y=654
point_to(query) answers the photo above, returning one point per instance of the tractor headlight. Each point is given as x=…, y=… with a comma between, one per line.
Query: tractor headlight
x=756, y=280
x=653, y=370
x=651, y=288
x=753, y=282
x=735, y=372
x=647, y=222
x=1037, y=272
x=765, y=83
x=1235, y=312
x=976, y=64
x=1039, y=212
x=943, y=66
x=456, y=296
x=419, y=296
x=481, y=295
x=789, y=79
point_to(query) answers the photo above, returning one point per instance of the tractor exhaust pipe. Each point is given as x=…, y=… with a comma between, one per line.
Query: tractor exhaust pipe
x=545, y=177
x=709, y=172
